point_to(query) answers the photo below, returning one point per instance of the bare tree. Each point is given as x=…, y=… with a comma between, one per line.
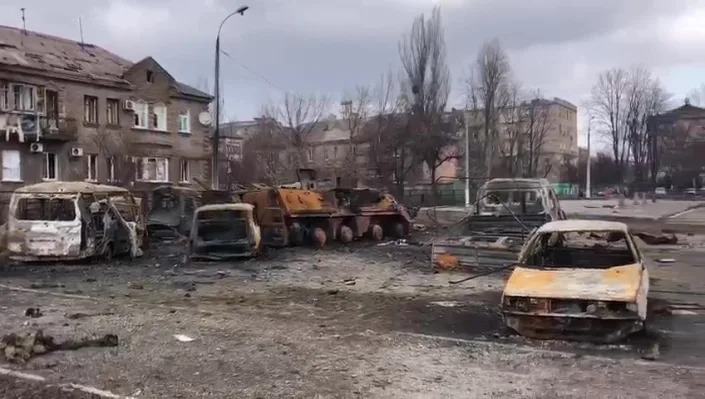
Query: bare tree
x=426, y=86
x=512, y=150
x=262, y=160
x=489, y=87
x=356, y=108
x=538, y=122
x=609, y=99
x=118, y=152
x=298, y=115
x=645, y=97
x=697, y=95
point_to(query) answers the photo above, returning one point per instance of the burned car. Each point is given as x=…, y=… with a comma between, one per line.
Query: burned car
x=71, y=221
x=578, y=279
x=172, y=211
x=222, y=231
x=504, y=215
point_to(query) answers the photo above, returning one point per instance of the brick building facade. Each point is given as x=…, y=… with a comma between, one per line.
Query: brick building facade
x=72, y=111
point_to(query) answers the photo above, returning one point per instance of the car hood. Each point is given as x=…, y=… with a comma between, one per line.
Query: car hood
x=620, y=283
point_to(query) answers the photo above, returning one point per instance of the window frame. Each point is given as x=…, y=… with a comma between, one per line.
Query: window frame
x=45, y=167
x=141, y=113
x=184, y=169
x=142, y=162
x=92, y=170
x=160, y=117
x=109, y=104
x=12, y=104
x=110, y=167
x=4, y=155
x=89, y=113
x=187, y=116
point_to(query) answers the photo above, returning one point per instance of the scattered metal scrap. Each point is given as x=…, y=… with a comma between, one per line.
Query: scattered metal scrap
x=505, y=213
x=664, y=239
x=19, y=348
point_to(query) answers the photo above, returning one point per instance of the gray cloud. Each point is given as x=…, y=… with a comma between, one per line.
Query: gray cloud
x=332, y=45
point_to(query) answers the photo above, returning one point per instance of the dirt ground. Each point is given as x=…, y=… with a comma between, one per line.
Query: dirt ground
x=344, y=322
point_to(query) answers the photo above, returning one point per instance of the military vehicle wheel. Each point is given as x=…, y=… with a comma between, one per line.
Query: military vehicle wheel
x=376, y=233
x=296, y=234
x=319, y=237
x=345, y=234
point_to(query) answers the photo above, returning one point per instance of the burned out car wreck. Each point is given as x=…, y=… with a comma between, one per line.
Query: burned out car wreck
x=578, y=279
x=72, y=220
x=224, y=231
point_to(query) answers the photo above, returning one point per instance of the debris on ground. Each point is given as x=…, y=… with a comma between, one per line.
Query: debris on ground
x=134, y=285
x=19, y=348
x=447, y=262
x=183, y=338
x=419, y=227
x=332, y=292
x=651, y=239
x=651, y=353
x=39, y=286
x=349, y=281
x=666, y=260
x=33, y=313
x=400, y=242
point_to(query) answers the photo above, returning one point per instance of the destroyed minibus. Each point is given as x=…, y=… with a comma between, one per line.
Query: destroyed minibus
x=224, y=231
x=578, y=279
x=59, y=221
x=504, y=215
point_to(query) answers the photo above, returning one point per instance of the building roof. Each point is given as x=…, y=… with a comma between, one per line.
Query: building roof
x=582, y=225
x=68, y=58
x=232, y=129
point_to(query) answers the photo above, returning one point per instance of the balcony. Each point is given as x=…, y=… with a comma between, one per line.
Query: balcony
x=65, y=130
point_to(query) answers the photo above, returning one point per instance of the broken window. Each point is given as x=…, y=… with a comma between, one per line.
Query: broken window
x=159, y=117
x=92, y=167
x=23, y=97
x=90, y=109
x=185, y=171
x=152, y=169
x=184, y=122
x=110, y=168
x=11, y=165
x=141, y=114
x=150, y=76
x=222, y=225
x=47, y=209
x=52, y=108
x=50, y=169
x=112, y=114
x=581, y=249
x=4, y=96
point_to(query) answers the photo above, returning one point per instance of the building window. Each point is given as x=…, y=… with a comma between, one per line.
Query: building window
x=150, y=169
x=141, y=114
x=4, y=96
x=150, y=76
x=310, y=155
x=335, y=152
x=184, y=122
x=23, y=97
x=159, y=117
x=52, y=108
x=185, y=171
x=50, y=170
x=110, y=168
x=90, y=109
x=11, y=165
x=92, y=167
x=112, y=111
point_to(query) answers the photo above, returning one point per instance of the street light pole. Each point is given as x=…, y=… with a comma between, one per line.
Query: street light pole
x=216, y=134
x=589, y=156
x=467, y=160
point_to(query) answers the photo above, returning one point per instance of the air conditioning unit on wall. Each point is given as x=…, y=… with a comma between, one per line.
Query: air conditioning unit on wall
x=129, y=105
x=36, y=147
x=76, y=152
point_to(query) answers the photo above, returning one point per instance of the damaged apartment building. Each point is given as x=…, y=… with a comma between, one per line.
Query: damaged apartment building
x=72, y=111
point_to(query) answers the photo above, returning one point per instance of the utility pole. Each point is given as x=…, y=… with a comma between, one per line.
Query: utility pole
x=589, y=157
x=467, y=159
x=216, y=134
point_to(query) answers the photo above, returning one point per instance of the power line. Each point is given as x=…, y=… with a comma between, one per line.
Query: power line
x=269, y=82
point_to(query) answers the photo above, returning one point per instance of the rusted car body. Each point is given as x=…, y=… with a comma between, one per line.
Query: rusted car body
x=224, y=231
x=72, y=220
x=504, y=215
x=578, y=279
x=171, y=213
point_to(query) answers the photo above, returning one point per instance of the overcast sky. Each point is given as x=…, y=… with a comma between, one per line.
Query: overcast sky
x=330, y=46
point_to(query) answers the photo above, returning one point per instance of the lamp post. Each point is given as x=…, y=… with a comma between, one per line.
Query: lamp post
x=589, y=156
x=216, y=133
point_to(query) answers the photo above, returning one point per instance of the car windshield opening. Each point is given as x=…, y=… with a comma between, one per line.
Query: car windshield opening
x=222, y=225
x=46, y=209
x=580, y=249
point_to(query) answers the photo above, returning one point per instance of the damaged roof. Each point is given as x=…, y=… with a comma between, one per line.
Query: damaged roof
x=71, y=59
x=53, y=54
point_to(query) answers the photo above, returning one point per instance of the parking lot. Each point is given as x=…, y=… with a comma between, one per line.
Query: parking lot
x=356, y=321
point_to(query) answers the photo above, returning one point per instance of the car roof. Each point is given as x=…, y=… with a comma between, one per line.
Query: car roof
x=582, y=225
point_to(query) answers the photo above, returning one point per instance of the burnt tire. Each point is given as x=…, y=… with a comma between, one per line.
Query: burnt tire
x=319, y=237
x=376, y=232
x=296, y=234
x=345, y=235
x=398, y=230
